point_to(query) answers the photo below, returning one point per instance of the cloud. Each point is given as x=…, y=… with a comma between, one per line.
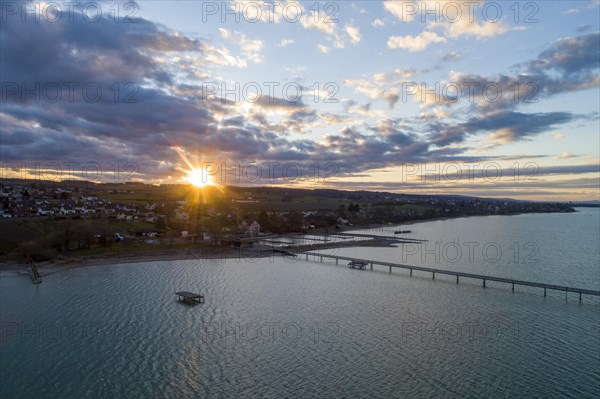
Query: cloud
x=316, y=21
x=285, y=42
x=399, y=10
x=466, y=27
x=168, y=68
x=324, y=49
x=566, y=155
x=378, y=23
x=503, y=127
x=451, y=56
x=354, y=33
x=575, y=57
x=455, y=19
x=566, y=65
x=415, y=43
x=382, y=85
x=251, y=49
x=508, y=126
x=583, y=27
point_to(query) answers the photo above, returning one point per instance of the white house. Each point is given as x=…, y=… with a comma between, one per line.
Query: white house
x=254, y=229
x=182, y=215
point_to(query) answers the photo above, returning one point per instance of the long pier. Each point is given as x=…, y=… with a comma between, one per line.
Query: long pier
x=458, y=275
x=376, y=237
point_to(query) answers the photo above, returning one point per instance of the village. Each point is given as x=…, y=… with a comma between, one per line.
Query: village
x=49, y=219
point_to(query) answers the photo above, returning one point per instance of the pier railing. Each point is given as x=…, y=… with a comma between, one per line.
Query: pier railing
x=457, y=274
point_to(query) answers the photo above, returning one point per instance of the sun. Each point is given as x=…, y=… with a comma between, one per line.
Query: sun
x=199, y=178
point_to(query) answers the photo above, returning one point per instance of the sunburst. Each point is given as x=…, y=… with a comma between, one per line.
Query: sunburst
x=199, y=178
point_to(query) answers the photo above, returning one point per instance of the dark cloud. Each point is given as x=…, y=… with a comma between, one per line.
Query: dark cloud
x=451, y=56
x=574, y=57
x=583, y=28
x=505, y=126
x=167, y=111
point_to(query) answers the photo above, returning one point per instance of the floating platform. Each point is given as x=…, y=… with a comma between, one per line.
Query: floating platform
x=189, y=297
x=357, y=264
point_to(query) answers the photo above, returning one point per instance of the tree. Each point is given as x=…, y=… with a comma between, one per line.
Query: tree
x=354, y=208
x=295, y=221
x=161, y=223
x=264, y=221
x=64, y=236
x=215, y=227
x=84, y=236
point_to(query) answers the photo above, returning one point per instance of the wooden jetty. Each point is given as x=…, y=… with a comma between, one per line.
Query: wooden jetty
x=37, y=279
x=189, y=297
x=377, y=237
x=458, y=275
x=402, y=232
x=275, y=241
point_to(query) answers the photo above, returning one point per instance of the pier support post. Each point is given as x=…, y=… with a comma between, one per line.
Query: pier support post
x=306, y=256
x=372, y=266
x=483, y=283
x=456, y=279
x=513, y=287
x=544, y=291
x=566, y=293
x=411, y=272
x=336, y=261
x=321, y=259
x=580, y=297
x=433, y=275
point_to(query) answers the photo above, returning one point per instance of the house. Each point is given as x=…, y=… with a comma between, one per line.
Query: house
x=182, y=215
x=254, y=229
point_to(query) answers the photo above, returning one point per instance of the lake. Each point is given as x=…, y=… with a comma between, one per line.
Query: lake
x=278, y=327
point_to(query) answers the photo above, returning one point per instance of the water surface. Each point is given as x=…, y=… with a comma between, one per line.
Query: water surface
x=282, y=328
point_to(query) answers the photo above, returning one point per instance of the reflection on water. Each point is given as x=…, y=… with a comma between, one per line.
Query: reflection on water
x=283, y=328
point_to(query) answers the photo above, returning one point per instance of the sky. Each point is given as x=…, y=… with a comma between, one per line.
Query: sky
x=492, y=99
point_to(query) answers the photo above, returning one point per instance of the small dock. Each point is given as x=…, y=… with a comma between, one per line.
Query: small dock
x=37, y=279
x=189, y=298
x=456, y=274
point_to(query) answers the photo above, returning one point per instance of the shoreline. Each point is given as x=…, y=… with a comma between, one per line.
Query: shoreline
x=437, y=219
x=174, y=254
x=165, y=255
